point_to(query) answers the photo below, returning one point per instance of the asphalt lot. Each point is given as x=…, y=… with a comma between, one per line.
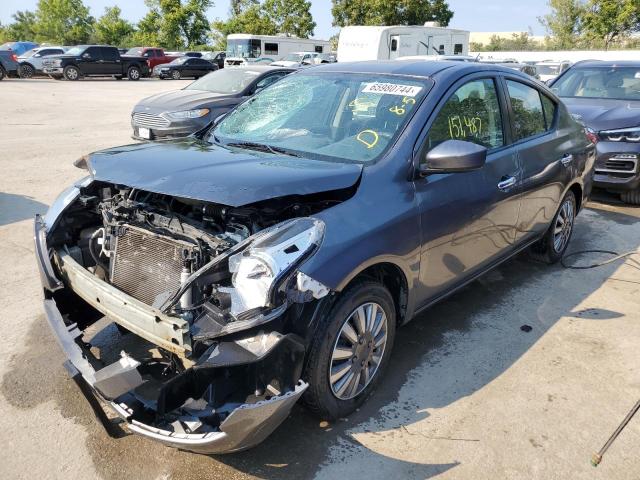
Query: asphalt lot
x=468, y=394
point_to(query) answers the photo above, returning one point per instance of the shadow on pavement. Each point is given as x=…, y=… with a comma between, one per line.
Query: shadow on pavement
x=14, y=208
x=458, y=346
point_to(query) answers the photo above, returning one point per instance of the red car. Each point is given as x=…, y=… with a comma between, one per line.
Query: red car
x=155, y=56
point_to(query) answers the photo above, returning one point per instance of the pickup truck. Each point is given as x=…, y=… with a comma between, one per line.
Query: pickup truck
x=155, y=56
x=95, y=61
x=9, y=65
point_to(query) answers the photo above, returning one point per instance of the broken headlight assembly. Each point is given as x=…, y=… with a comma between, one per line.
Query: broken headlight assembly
x=259, y=268
x=66, y=198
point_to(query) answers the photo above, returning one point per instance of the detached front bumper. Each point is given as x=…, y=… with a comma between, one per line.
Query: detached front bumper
x=243, y=426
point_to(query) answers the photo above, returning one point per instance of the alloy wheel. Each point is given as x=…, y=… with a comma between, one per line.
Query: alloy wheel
x=358, y=351
x=72, y=73
x=563, y=226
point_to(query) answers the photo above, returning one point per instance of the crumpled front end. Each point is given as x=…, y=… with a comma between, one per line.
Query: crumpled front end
x=182, y=317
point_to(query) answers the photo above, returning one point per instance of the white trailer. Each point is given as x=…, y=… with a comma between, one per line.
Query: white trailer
x=244, y=48
x=358, y=43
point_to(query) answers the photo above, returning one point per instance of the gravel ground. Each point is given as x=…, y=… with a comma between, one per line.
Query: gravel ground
x=468, y=394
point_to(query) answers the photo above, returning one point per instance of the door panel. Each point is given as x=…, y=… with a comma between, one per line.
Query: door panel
x=93, y=65
x=468, y=221
x=541, y=146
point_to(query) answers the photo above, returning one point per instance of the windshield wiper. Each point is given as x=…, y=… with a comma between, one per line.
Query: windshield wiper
x=263, y=147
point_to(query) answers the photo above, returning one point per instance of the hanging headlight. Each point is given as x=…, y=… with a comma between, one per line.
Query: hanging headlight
x=258, y=269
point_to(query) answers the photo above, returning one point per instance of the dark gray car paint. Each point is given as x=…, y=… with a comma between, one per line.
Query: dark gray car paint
x=440, y=231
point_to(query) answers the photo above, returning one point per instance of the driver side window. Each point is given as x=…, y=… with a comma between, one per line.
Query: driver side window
x=471, y=114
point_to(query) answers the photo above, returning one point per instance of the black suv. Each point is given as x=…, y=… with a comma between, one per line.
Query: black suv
x=95, y=61
x=605, y=96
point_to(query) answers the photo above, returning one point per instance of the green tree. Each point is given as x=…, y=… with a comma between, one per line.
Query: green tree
x=390, y=12
x=607, y=21
x=175, y=24
x=112, y=29
x=66, y=22
x=563, y=23
x=251, y=19
x=23, y=26
x=291, y=16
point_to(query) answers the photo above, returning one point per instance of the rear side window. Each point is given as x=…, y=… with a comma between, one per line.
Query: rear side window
x=528, y=117
x=471, y=114
x=549, y=108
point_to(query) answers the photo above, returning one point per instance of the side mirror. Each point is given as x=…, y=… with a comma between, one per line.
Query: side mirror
x=454, y=156
x=37, y=55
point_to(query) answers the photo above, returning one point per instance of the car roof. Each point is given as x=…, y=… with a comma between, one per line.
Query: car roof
x=607, y=63
x=415, y=68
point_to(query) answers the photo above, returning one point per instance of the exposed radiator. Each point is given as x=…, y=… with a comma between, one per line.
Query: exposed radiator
x=145, y=264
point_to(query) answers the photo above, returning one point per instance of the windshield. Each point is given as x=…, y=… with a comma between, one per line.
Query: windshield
x=227, y=80
x=249, y=48
x=75, y=50
x=621, y=83
x=548, y=69
x=330, y=116
x=29, y=54
x=134, y=52
x=294, y=57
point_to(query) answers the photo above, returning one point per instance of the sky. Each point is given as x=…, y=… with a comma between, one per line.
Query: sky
x=472, y=15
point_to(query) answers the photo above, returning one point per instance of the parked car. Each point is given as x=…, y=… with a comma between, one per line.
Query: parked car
x=95, y=61
x=9, y=65
x=296, y=59
x=216, y=57
x=155, y=56
x=326, y=58
x=193, y=54
x=184, y=67
x=548, y=70
x=451, y=58
x=31, y=61
x=514, y=65
x=605, y=96
x=18, y=47
x=183, y=112
x=273, y=256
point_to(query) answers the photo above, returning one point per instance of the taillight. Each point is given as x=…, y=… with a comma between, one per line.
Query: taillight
x=14, y=57
x=591, y=135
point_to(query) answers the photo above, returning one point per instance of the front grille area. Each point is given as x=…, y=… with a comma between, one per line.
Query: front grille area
x=149, y=120
x=625, y=165
x=145, y=265
x=621, y=163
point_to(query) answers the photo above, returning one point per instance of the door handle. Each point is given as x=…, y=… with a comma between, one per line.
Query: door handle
x=566, y=159
x=506, y=183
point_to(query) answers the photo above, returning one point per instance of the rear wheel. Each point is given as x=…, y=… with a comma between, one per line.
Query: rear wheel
x=133, y=73
x=26, y=71
x=631, y=197
x=175, y=75
x=2, y=73
x=350, y=351
x=71, y=73
x=552, y=246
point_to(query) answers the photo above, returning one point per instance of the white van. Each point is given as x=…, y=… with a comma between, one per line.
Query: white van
x=244, y=48
x=358, y=43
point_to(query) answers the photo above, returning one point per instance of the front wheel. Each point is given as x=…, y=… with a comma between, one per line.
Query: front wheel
x=631, y=197
x=551, y=247
x=71, y=73
x=175, y=75
x=350, y=351
x=133, y=73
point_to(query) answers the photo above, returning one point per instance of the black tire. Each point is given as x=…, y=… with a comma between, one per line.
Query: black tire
x=547, y=250
x=175, y=75
x=631, y=197
x=133, y=73
x=26, y=71
x=2, y=73
x=319, y=396
x=71, y=73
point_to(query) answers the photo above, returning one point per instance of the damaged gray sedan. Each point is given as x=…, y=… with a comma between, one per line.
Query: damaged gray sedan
x=271, y=257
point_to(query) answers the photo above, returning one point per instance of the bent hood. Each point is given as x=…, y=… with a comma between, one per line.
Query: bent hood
x=202, y=171
x=605, y=114
x=178, y=100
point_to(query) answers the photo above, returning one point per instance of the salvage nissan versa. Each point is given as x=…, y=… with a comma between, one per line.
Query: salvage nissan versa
x=273, y=257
